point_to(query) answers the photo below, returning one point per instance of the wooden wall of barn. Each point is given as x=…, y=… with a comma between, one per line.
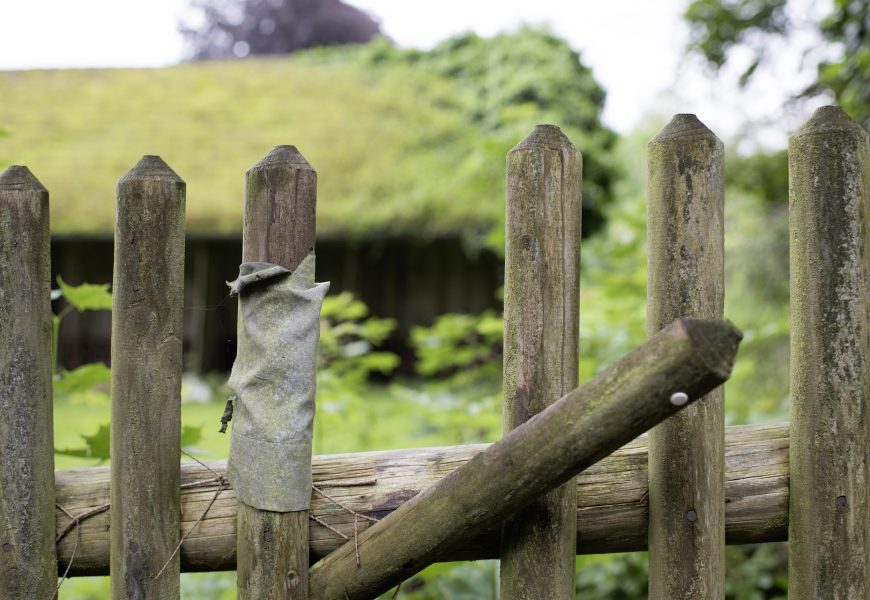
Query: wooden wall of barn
x=411, y=280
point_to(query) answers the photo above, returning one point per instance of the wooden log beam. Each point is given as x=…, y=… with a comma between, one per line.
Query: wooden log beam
x=27, y=556
x=612, y=500
x=649, y=384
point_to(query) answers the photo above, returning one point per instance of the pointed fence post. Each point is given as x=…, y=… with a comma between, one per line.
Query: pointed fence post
x=829, y=200
x=541, y=322
x=28, y=564
x=280, y=200
x=686, y=279
x=147, y=309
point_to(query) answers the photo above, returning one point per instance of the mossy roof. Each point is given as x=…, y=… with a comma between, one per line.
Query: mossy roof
x=393, y=152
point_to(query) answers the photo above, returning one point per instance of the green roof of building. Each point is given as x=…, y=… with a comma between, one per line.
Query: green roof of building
x=391, y=152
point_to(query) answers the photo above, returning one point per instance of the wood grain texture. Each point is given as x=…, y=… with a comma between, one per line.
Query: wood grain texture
x=147, y=314
x=584, y=426
x=541, y=311
x=686, y=279
x=612, y=500
x=27, y=549
x=280, y=204
x=829, y=199
x=271, y=535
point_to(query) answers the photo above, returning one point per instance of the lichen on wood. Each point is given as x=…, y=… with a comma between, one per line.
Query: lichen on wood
x=829, y=201
x=541, y=300
x=27, y=548
x=686, y=279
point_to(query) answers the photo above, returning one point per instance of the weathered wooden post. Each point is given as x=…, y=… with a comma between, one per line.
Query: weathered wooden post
x=829, y=199
x=683, y=361
x=280, y=200
x=541, y=312
x=28, y=566
x=147, y=310
x=686, y=279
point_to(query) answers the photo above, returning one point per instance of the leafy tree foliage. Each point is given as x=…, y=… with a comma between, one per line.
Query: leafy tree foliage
x=507, y=84
x=719, y=26
x=533, y=69
x=242, y=27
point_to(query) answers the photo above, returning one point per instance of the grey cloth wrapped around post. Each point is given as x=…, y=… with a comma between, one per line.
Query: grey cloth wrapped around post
x=274, y=379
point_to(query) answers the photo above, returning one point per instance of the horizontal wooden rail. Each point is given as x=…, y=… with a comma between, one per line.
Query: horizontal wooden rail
x=611, y=500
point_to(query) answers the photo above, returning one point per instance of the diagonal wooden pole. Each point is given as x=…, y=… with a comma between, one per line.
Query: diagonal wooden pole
x=280, y=198
x=675, y=367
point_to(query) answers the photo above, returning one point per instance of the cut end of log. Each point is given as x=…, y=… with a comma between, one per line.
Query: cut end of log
x=283, y=156
x=684, y=126
x=546, y=136
x=829, y=119
x=19, y=177
x=717, y=341
x=151, y=167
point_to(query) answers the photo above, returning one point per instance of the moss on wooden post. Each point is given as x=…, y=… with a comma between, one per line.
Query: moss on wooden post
x=28, y=566
x=280, y=202
x=147, y=309
x=686, y=279
x=684, y=361
x=829, y=198
x=541, y=300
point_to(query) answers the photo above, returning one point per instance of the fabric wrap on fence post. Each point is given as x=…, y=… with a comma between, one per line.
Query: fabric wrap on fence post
x=274, y=379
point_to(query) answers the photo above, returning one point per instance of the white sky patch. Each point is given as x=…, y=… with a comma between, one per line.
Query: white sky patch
x=635, y=48
x=56, y=34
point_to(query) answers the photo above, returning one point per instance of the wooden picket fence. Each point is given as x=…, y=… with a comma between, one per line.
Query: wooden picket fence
x=683, y=492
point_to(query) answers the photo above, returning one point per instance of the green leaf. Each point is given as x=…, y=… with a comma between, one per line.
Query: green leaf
x=190, y=435
x=87, y=296
x=82, y=378
x=383, y=362
x=343, y=307
x=96, y=446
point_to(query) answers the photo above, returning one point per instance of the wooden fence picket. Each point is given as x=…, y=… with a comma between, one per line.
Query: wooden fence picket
x=829, y=200
x=280, y=204
x=147, y=311
x=541, y=339
x=686, y=279
x=28, y=563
